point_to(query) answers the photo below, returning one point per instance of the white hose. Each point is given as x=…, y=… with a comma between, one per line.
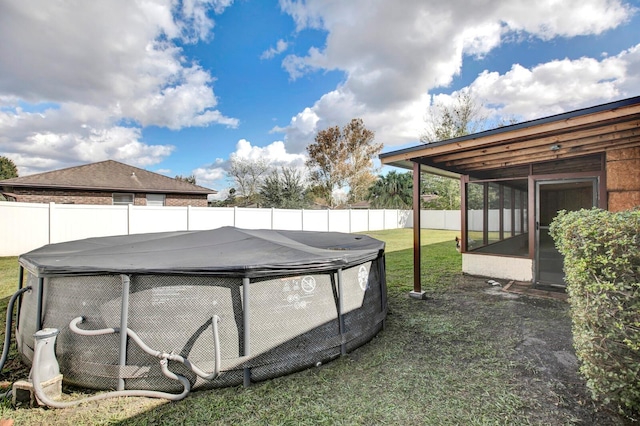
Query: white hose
x=164, y=358
x=158, y=354
x=42, y=396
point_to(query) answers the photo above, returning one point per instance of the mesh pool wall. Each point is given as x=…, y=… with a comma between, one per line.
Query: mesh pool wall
x=294, y=323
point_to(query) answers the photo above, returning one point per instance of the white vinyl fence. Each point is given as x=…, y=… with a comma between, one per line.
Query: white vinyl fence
x=27, y=226
x=438, y=219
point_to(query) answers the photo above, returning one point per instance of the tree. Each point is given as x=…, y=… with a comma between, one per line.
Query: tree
x=248, y=175
x=231, y=198
x=284, y=189
x=446, y=189
x=8, y=168
x=339, y=158
x=189, y=179
x=462, y=117
x=229, y=201
x=360, y=152
x=392, y=191
x=326, y=162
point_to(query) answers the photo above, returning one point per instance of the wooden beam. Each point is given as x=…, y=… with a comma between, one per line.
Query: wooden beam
x=532, y=228
x=417, y=254
x=464, y=180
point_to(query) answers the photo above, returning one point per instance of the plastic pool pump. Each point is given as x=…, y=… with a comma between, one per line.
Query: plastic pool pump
x=47, y=364
x=45, y=370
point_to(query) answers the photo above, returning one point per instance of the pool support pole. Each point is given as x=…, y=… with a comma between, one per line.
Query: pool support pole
x=343, y=347
x=245, y=329
x=382, y=278
x=20, y=284
x=39, y=304
x=124, y=324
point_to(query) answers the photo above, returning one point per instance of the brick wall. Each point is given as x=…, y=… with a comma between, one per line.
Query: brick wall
x=100, y=198
x=185, y=200
x=623, y=178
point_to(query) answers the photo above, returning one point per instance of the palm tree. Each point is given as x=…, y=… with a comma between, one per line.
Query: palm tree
x=392, y=191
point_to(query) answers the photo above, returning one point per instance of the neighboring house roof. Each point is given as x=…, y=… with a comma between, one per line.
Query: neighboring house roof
x=107, y=176
x=509, y=150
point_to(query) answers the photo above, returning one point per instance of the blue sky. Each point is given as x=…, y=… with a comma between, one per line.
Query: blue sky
x=178, y=87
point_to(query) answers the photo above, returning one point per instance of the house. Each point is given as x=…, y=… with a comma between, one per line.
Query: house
x=105, y=182
x=515, y=179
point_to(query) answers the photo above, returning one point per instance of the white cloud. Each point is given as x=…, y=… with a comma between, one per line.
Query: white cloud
x=281, y=46
x=630, y=83
x=558, y=86
x=97, y=65
x=274, y=154
x=393, y=56
x=47, y=150
x=212, y=176
x=550, y=19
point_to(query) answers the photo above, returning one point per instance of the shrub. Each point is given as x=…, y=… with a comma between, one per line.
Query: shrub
x=602, y=269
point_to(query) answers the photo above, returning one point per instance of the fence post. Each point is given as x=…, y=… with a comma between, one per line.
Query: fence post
x=129, y=216
x=52, y=207
x=189, y=217
x=235, y=216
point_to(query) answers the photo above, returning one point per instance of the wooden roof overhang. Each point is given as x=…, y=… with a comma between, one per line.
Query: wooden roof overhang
x=509, y=151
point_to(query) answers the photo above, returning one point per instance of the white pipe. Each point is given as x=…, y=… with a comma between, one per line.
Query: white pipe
x=42, y=396
x=73, y=326
x=164, y=358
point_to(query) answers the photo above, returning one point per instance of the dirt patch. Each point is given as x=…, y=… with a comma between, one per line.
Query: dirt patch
x=546, y=368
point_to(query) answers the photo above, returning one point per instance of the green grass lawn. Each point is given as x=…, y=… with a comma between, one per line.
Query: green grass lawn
x=433, y=364
x=440, y=260
x=8, y=276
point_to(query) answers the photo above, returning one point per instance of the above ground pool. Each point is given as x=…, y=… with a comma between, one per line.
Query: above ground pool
x=281, y=301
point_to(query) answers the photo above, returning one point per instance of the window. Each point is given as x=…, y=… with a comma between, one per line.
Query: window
x=122, y=199
x=497, y=217
x=155, y=199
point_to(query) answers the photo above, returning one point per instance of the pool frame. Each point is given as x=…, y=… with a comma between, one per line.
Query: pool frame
x=354, y=328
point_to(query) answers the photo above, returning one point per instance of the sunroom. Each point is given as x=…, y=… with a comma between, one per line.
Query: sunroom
x=515, y=179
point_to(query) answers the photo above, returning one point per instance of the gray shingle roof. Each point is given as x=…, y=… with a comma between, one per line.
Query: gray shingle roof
x=107, y=175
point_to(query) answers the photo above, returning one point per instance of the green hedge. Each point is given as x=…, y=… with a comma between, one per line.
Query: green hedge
x=602, y=269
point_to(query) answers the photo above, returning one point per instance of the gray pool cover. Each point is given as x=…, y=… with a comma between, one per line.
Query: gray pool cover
x=226, y=251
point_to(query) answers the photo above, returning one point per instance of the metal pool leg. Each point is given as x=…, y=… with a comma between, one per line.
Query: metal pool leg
x=39, y=304
x=245, y=328
x=124, y=320
x=20, y=284
x=382, y=277
x=343, y=347
x=20, y=277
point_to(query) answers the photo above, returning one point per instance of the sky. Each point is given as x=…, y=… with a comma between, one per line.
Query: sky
x=180, y=87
